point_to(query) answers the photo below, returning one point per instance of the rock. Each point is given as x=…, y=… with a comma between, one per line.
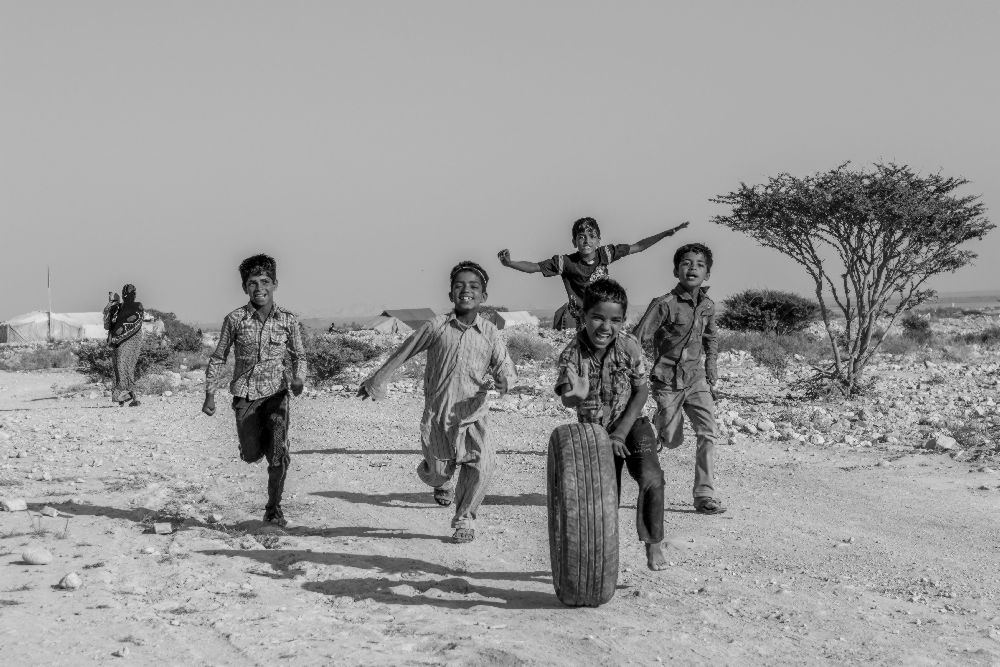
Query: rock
x=816, y=439
x=121, y=653
x=163, y=528
x=850, y=440
x=49, y=511
x=22, y=454
x=765, y=426
x=36, y=556
x=168, y=393
x=92, y=395
x=941, y=441
x=215, y=517
x=13, y=504
x=71, y=582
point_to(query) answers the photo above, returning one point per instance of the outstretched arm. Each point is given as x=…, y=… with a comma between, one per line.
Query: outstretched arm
x=525, y=267
x=374, y=386
x=645, y=243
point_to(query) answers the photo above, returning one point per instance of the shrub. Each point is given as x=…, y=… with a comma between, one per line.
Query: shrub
x=97, y=362
x=39, y=359
x=898, y=345
x=916, y=328
x=183, y=337
x=528, y=346
x=770, y=311
x=773, y=352
x=988, y=337
x=328, y=355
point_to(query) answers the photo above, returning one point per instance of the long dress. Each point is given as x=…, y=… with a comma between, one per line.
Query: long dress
x=124, y=324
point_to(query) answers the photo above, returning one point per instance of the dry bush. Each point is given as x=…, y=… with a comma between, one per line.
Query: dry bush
x=40, y=358
x=989, y=337
x=773, y=352
x=528, y=346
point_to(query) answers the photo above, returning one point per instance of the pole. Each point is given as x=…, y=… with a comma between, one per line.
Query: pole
x=48, y=280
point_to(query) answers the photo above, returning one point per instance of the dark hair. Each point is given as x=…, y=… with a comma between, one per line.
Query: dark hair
x=604, y=290
x=257, y=265
x=693, y=247
x=469, y=265
x=585, y=223
x=128, y=292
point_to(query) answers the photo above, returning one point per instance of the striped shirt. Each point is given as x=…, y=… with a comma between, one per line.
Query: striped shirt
x=260, y=352
x=613, y=379
x=460, y=358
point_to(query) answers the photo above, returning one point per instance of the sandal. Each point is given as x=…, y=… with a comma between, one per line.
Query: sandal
x=443, y=497
x=463, y=535
x=708, y=506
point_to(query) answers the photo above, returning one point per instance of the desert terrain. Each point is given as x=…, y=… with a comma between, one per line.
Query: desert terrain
x=857, y=532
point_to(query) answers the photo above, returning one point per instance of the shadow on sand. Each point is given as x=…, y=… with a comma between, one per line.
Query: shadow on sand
x=424, y=499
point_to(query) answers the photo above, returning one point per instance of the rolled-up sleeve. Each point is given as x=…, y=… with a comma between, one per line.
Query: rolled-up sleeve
x=552, y=266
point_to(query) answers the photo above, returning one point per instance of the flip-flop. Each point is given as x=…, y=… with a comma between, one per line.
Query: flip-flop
x=709, y=506
x=443, y=497
x=463, y=535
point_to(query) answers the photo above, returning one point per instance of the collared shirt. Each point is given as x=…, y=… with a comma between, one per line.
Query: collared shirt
x=577, y=274
x=459, y=359
x=613, y=379
x=681, y=330
x=260, y=352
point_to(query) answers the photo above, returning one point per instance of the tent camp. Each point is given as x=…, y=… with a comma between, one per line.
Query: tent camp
x=33, y=327
x=389, y=324
x=515, y=318
x=413, y=317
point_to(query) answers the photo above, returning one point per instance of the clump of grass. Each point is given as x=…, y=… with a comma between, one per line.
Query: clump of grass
x=898, y=345
x=989, y=337
x=40, y=358
x=774, y=351
x=916, y=328
x=528, y=346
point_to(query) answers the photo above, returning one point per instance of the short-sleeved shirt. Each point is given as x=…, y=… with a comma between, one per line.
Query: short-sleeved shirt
x=577, y=274
x=682, y=329
x=260, y=352
x=612, y=380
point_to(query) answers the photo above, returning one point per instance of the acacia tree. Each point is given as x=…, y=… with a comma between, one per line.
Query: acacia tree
x=869, y=239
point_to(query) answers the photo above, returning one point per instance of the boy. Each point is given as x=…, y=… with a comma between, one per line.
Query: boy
x=603, y=376
x=462, y=350
x=262, y=333
x=681, y=325
x=587, y=264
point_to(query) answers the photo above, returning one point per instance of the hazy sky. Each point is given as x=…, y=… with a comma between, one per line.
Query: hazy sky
x=370, y=145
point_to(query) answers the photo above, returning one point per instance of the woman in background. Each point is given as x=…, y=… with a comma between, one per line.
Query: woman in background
x=123, y=320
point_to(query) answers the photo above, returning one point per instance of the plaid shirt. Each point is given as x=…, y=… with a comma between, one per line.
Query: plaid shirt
x=612, y=381
x=260, y=352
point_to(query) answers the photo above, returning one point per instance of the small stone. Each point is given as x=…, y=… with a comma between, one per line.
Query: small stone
x=13, y=504
x=765, y=426
x=71, y=582
x=36, y=556
x=817, y=439
x=47, y=476
x=164, y=528
x=49, y=511
x=121, y=653
x=92, y=395
x=22, y=454
x=215, y=517
x=168, y=393
x=149, y=550
x=940, y=441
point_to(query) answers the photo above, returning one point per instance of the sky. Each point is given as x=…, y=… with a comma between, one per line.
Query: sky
x=369, y=146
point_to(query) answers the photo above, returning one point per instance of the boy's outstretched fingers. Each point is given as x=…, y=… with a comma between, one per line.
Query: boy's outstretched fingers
x=504, y=256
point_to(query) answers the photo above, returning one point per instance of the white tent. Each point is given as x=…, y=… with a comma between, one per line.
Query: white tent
x=515, y=318
x=389, y=324
x=93, y=324
x=33, y=327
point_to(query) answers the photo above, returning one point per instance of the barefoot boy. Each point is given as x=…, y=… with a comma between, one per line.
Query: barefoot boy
x=262, y=333
x=681, y=325
x=463, y=349
x=587, y=264
x=603, y=376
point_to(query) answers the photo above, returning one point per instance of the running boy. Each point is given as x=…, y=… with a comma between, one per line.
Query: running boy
x=587, y=264
x=681, y=325
x=262, y=333
x=462, y=350
x=603, y=376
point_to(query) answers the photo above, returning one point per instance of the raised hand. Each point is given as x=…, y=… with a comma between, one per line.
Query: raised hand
x=504, y=256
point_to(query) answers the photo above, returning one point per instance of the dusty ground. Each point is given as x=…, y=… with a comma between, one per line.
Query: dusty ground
x=840, y=554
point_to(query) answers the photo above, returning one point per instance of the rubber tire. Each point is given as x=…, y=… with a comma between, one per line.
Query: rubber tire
x=583, y=515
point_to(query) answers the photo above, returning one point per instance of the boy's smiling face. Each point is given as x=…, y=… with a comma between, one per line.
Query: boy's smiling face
x=467, y=292
x=587, y=242
x=260, y=288
x=692, y=270
x=603, y=321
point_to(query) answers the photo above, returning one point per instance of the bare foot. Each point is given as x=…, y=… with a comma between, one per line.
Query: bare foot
x=655, y=558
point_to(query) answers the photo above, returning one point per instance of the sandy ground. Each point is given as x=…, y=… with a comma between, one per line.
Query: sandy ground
x=828, y=554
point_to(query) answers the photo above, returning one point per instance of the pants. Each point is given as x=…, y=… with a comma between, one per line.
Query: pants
x=474, y=475
x=262, y=427
x=643, y=465
x=696, y=401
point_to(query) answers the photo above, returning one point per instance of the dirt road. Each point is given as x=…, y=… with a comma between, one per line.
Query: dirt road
x=828, y=554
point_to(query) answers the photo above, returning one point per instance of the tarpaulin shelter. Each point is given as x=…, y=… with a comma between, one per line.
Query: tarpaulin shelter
x=413, y=317
x=389, y=324
x=33, y=327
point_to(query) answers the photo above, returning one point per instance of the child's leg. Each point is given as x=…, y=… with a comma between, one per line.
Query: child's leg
x=276, y=422
x=474, y=478
x=644, y=467
x=669, y=417
x=249, y=429
x=700, y=409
